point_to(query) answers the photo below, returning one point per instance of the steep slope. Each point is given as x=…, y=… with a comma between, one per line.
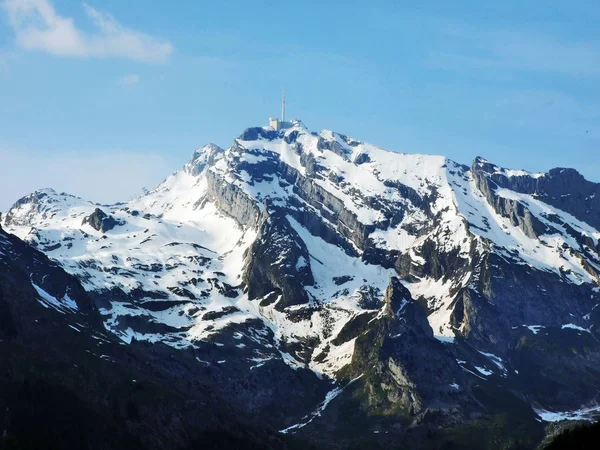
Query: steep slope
x=277, y=259
x=67, y=383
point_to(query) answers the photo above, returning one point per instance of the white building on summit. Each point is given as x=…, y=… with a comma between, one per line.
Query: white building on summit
x=277, y=124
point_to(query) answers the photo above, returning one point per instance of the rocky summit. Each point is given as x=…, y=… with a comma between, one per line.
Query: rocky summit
x=315, y=291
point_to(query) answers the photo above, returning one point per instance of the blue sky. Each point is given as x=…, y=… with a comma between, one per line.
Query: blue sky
x=103, y=98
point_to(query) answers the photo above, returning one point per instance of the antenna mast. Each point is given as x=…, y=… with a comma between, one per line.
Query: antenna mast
x=283, y=106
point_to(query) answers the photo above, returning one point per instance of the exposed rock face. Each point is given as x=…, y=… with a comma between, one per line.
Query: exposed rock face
x=278, y=261
x=395, y=376
x=202, y=158
x=22, y=264
x=515, y=211
x=100, y=221
x=255, y=133
x=232, y=200
x=34, y=205
x=328, y=209
x=564, y=188
x=396, y=298
x=362, y=158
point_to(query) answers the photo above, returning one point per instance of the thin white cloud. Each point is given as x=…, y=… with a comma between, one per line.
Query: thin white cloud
x=467, y=48
x=552, y=112
x=38, y=26
x=539, y=53
x=99, y=176
x=130, y=80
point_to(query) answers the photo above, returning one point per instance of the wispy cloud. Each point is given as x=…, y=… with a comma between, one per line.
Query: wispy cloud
x=130, y=80
x=553, y=112
x=38, y=26
x=464, y=48
x=540, y=53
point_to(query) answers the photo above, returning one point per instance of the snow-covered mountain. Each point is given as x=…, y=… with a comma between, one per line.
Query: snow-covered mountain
x=415, y=284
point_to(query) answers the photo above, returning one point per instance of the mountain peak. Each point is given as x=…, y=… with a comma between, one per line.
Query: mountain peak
x=205, y=156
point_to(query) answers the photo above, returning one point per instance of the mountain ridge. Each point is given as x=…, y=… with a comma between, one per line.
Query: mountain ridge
x=284, y=248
